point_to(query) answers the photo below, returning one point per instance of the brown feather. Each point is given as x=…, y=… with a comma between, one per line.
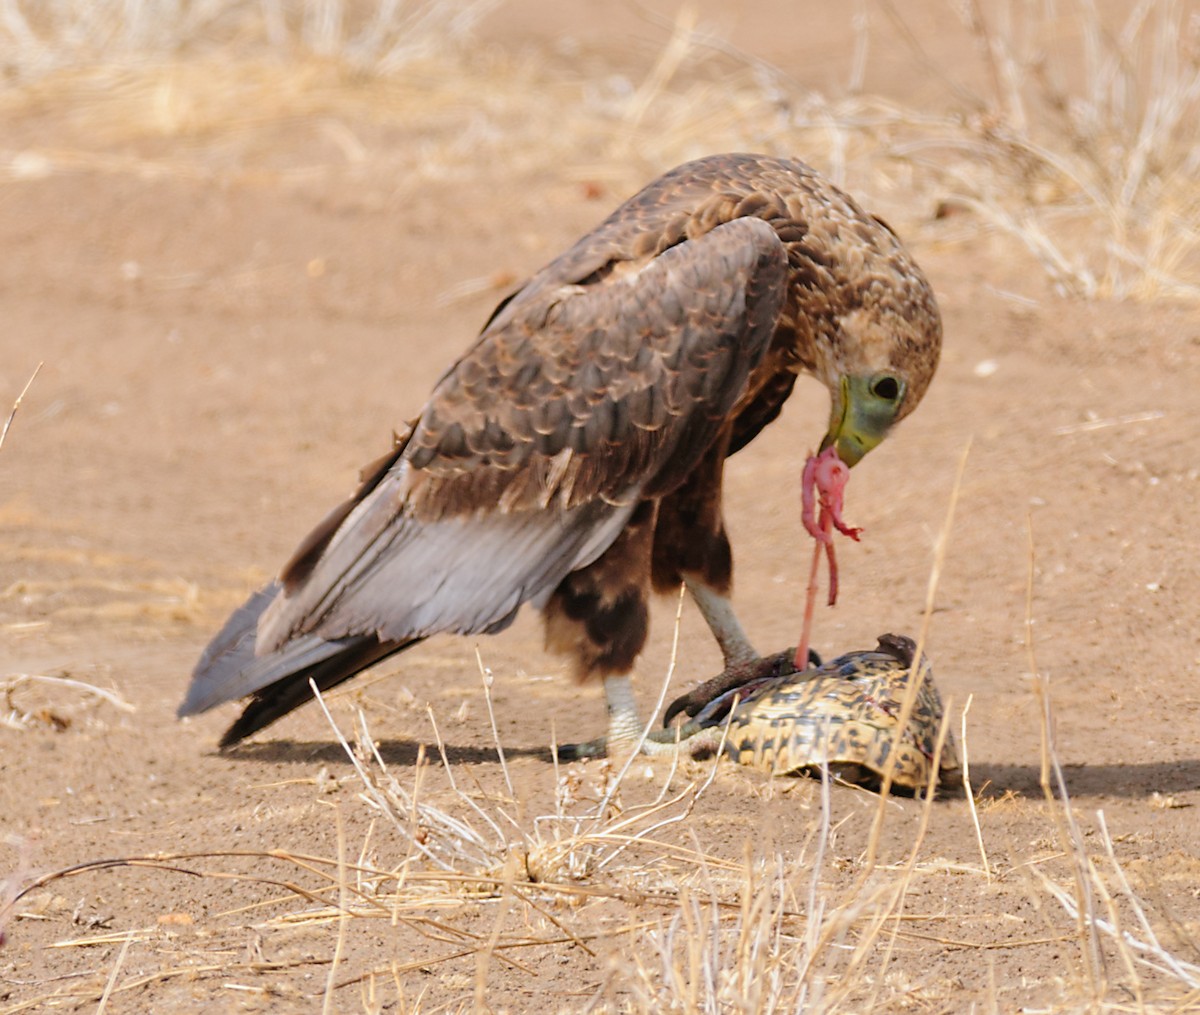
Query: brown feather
x=305, y=556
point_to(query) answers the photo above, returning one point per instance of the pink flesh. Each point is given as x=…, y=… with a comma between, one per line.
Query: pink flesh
x=823, y=486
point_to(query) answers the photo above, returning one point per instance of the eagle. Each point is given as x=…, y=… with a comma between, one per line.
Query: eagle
x=572, y=457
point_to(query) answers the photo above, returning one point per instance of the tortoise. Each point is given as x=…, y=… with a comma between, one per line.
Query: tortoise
x=844, y=714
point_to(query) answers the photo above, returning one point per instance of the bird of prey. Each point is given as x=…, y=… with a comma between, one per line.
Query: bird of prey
x=572, y=457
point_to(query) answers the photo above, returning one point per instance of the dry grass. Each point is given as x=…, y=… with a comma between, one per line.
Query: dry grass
x=1089, y=172
x=588, y=831
x=672, y=925
x=1111, y=960
x=38, y=38
x=49, y=708
x=1085, y=147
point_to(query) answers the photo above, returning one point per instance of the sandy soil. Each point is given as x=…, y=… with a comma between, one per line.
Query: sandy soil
x=230, y=326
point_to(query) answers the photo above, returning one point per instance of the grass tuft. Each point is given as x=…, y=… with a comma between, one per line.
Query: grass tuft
x=1089, y=172
x=1084, y=148
x=376, y=37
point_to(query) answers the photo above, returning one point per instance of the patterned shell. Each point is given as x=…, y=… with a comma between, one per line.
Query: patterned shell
x=846, y=714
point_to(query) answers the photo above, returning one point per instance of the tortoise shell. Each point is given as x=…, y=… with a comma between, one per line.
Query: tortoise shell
x=844, y=714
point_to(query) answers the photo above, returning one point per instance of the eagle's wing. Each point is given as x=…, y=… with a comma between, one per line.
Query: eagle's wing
x=536, y=446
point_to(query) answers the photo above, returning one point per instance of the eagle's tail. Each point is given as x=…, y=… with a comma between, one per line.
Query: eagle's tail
x=278, y=681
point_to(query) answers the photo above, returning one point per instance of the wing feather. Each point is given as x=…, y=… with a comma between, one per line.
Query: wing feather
x=496, y=497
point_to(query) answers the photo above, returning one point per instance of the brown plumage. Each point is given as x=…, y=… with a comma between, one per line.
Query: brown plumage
x=572, y=457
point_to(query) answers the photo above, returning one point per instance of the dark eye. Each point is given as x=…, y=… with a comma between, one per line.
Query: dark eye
x=886, y=388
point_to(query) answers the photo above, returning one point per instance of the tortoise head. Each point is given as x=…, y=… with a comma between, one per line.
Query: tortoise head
x=899, y=646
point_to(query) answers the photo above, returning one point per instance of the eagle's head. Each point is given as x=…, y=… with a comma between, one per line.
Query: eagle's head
x=882, y=349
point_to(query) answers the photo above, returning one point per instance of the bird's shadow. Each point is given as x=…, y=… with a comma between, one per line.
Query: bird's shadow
x=392, y=752
x=989, y=780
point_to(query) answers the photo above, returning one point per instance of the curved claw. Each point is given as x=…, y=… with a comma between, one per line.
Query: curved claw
x=763, y=668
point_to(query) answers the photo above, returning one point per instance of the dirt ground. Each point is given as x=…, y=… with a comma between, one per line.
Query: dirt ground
x=232, y=321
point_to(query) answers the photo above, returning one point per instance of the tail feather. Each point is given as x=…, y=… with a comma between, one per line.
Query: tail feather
x=276, y=682
x=220, y=675
x=351, y=656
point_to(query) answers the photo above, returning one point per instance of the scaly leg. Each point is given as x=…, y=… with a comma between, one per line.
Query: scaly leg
x=742, y=663
x=718, y=613
x=624, y=726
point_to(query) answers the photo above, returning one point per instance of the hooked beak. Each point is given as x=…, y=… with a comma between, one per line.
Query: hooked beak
x=862, y=414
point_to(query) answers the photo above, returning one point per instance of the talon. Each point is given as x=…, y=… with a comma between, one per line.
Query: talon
x=734, y=677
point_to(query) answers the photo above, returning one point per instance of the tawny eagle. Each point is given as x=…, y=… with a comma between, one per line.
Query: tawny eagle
x=572, y=457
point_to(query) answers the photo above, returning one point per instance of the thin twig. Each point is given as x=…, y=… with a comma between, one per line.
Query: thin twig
x=343, y=916
x=1100, y=424
x=13, y=682
x=970, y=792
x=17, y=404
x=1185, y=971
x=602, y=807
x=896, y=904
x=486, y=675
x=916, y=674
x=112, y=977
x=1052, y=780
x=371, y=788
